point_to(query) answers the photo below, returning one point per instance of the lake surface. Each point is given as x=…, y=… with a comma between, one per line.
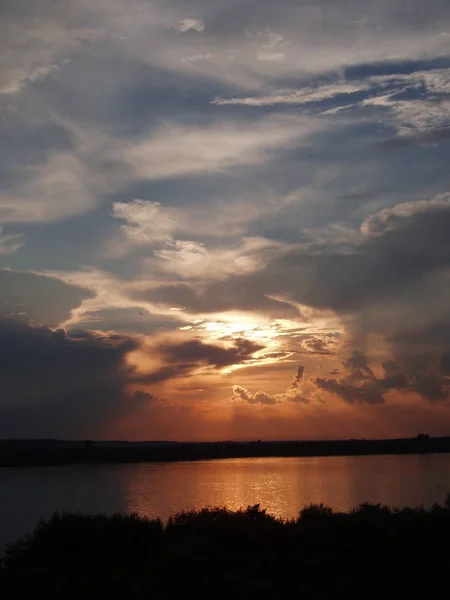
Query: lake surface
x=281, y=485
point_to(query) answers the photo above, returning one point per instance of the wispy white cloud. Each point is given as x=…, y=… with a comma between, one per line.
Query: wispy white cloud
x=176, y=151
x=408, y=115
x=34, y=47
x=304, y=95
x=9, y=243
x=72, y=182
x=413, y=116
x=16, y=79
x=191, y=24
x=57, y=189
x=147, y=223
x=192, y=260
x=295, y=43
x=419, y=116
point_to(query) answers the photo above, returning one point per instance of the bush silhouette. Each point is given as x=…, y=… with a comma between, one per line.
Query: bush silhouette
x=370, y=552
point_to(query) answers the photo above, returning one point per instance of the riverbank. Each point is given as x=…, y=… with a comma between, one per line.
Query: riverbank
x=26, y=453
x=371, y=552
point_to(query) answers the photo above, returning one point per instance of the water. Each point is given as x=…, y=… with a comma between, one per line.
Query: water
x=281, y=485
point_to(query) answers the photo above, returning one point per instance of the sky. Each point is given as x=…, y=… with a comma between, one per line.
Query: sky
x=224, y=219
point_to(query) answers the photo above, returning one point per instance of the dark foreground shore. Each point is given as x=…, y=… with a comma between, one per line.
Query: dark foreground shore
x=23, y=453
x=373, y=552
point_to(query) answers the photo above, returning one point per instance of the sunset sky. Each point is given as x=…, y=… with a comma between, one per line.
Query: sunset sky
x=224, y=219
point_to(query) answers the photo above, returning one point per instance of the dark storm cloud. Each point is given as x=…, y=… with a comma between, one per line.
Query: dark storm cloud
x=197, y=352
x=395, y=248
x=55, y=385
x=399, y=247
x=423, y=375
x=365, y=393
x=359, y=385
x=183, y=358
x=143, y=396
x=358, y=367
x=445, y=362
x=298, y=377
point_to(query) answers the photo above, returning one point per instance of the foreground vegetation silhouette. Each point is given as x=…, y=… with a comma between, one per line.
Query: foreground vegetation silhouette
x=371, y=552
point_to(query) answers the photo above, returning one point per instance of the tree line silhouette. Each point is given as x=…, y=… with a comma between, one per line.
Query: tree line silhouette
x=56, y=452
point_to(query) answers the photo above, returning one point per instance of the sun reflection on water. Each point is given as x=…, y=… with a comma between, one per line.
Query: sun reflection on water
x=284, y=486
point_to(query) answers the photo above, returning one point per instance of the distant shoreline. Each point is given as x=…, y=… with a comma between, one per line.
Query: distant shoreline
x=27, y=453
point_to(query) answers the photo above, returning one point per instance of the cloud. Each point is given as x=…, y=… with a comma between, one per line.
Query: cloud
x=196, y=352
x=140, y=396
x=415, y=117
x=10, y=243
x=64, y=183
x=55, y=385
x=240, y=40
x=390, y=219
x=294, y=393
x=368, y=269
x=304, y=95
x=211, y=297
x=359, y=385
x=55, y=190
x=321, y=345
x=192, y=260
x=147, y=222
x=402, y=98
x=358, y=367
x=237, y=172
x=102, y=291
x=42, y=299
x=16, y=79
x=191, y=25
x=364, y=393
x=179, y=151
x=421, y=374
x=416, y=120
x=247, y=50
x=445, y=362
x=35, y=44
x=298, y=377
x=150, y=223
x=425, y=375
x=78, y=385
x=257, y=398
